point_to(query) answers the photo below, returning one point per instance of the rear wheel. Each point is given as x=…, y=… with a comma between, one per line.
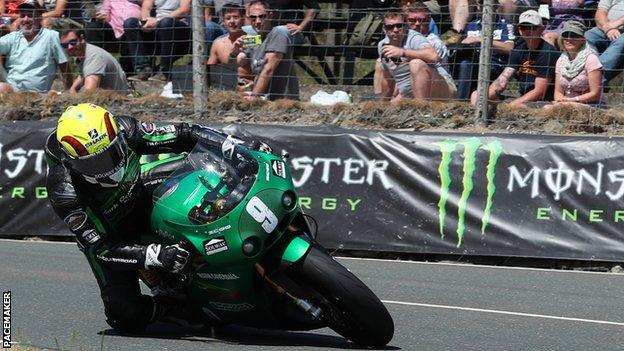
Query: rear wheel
x=349, y=307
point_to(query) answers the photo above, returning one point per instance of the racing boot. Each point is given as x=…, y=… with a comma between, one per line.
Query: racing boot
x=178, y=312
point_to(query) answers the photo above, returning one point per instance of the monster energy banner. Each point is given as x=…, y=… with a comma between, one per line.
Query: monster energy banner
x=497, y=195
x=23, y=196
x=500, y=195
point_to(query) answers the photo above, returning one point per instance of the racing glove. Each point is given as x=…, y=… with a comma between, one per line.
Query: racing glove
x=172, y=258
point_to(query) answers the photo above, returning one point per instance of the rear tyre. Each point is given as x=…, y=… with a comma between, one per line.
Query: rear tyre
x=349, y=307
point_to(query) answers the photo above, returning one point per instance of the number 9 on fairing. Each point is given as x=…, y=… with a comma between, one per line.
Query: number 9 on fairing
x=262, y=214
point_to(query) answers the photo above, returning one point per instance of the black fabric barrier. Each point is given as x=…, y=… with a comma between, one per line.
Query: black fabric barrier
x=23, y=196
x=499, y=195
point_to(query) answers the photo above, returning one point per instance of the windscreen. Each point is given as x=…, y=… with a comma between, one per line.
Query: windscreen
x=207, y=185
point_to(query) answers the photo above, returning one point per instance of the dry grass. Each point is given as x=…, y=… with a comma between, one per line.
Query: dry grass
x=408, y=114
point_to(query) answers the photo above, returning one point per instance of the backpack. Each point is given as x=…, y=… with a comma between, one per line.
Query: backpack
x=368, y=31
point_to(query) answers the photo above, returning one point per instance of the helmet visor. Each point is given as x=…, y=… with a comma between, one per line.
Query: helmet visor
x=103, y=163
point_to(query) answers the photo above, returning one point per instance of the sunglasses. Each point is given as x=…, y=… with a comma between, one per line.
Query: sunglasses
x=255, y=18
x=70, y=43
x=29, y=13
x=415, y=20
x=570, y=35
x=393, y=26
x=529, y=27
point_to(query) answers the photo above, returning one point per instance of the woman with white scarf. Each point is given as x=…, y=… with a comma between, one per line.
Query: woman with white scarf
x=578, y=70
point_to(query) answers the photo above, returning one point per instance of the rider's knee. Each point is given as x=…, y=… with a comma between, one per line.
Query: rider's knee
x=127, y=314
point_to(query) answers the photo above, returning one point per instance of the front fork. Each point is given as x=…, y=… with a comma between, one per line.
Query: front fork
x=308, y=308
x=291, y=252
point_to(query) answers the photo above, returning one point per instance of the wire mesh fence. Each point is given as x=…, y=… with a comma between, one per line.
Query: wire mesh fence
x=403, y=50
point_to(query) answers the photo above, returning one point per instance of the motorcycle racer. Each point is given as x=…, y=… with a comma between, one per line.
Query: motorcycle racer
x=95, y=185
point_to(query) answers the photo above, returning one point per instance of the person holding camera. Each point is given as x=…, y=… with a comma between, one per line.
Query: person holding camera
x=271, y=62
x=226, y=48
x=409, y=66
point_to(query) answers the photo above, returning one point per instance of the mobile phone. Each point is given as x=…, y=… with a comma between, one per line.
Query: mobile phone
x=250, y=40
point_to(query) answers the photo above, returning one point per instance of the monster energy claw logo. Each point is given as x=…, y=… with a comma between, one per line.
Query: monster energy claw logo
x=471, y=146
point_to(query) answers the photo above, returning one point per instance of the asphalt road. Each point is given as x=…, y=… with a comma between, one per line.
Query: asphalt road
x=56, y=305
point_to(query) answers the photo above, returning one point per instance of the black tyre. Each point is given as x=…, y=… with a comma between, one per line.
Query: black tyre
x=349, y=307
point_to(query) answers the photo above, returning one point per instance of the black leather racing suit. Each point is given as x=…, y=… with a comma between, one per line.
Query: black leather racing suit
x=108, y=221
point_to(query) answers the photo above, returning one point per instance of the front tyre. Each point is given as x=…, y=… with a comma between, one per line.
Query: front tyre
x=349, y=307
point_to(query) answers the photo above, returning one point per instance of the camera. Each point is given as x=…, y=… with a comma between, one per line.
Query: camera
x=396, y=60
x=250, y=40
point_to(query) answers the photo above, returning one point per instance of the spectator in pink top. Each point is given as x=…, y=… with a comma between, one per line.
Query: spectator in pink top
x=109, y=18
x=106, y=27
x=578, y=70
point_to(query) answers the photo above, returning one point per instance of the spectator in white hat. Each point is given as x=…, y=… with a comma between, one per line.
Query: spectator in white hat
x=531, y=63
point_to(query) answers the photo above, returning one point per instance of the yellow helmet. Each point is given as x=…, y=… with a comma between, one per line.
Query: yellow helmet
x=90, y=137
x=85, y=129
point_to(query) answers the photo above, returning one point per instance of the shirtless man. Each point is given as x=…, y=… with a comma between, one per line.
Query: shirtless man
x=225, y=48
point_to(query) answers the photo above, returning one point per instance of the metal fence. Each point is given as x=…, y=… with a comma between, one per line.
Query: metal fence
x=338, y=49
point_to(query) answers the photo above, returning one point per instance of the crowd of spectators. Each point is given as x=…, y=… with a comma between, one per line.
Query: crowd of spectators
x=532, y=63
x=559, y=51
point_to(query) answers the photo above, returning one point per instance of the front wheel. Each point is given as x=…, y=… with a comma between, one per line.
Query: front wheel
x=349, y=307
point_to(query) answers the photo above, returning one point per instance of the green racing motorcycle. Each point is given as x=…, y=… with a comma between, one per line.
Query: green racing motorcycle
x=254, y=258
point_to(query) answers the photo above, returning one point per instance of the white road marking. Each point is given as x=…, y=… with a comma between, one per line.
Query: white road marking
x=426, y=304
x=502, y=312
x=389, y=261
x=453, y=264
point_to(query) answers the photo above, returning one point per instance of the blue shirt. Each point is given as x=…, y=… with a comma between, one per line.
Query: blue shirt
x=503, y=31
x=32, y=66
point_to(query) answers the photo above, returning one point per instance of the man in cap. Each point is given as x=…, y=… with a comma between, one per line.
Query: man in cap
x=532, y=63
x=606, y=38
x=31, y=64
